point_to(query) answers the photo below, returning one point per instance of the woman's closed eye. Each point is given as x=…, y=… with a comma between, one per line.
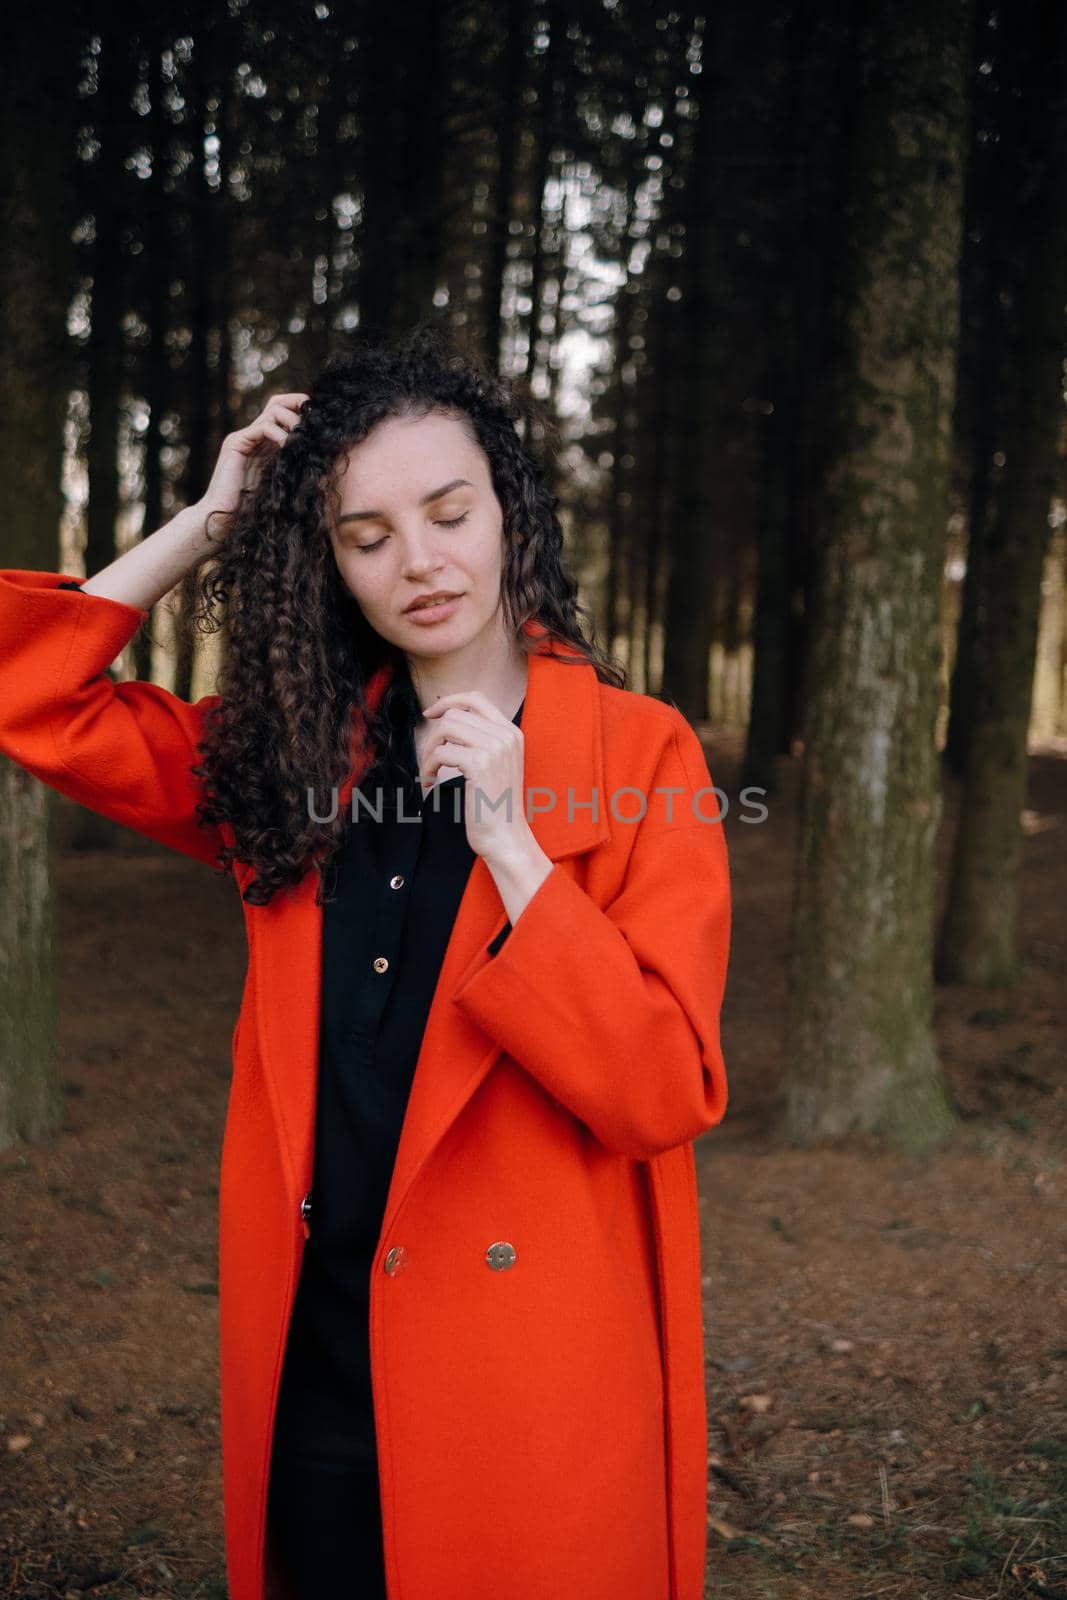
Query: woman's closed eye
x=444, y=523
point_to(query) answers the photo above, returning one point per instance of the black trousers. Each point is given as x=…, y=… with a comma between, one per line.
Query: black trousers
x=327, y=1521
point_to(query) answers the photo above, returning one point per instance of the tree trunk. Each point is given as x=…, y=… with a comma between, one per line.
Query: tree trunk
x=980, y=936
x=544, y=126
x=110, y=112
x=793, y=311
x=39, y=78
x=417, y=251
x=325, y=180
x=861, y=1047
x=401, y=157
x=687, y=624
x=766, y=732
x=201, y=266
x=981, y=376
x=619, y=514
x=508, y=127
x=381, y=135
x=157, y=279
x=666, y=342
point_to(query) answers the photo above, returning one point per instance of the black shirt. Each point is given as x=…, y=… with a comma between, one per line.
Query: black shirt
x=394, y=900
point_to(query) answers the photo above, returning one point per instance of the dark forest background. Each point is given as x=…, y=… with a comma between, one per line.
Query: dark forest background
x=791, y=278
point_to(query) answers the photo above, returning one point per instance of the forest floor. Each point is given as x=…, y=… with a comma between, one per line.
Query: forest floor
x=886, y=1337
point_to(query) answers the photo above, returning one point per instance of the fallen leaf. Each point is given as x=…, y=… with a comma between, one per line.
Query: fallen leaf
x=726, y=1530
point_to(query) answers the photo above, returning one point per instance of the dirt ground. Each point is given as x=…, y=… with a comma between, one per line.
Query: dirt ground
x=887, y=1339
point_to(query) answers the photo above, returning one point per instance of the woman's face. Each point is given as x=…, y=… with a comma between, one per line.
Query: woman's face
x=419, y=516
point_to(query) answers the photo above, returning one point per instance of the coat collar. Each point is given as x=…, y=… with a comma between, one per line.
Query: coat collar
x=563, y=743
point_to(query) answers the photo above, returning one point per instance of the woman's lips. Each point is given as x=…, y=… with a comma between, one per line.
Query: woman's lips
x=426, y=616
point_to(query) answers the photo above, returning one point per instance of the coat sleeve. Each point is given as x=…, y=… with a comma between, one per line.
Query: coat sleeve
x=121, y=749
x=615, y=1010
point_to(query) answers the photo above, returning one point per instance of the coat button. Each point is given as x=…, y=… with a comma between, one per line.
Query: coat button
x=381, y=963
x=305, y=1207
x=396, y=1259
x=396, y=881
x=500, y=1255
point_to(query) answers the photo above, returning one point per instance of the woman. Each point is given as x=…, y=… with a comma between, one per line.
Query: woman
x=487, y=905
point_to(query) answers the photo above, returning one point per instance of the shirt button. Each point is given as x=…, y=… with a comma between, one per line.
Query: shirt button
x=381, y=964
x=500, y=1255
x=396, y=1259
x=396, y=881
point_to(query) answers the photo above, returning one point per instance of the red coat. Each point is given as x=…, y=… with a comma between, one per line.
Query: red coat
x=541, y=1425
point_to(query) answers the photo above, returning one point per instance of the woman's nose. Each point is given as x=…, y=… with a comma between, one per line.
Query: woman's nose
x=419, y=555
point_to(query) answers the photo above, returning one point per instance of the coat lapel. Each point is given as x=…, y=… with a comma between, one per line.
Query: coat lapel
x=563, y=744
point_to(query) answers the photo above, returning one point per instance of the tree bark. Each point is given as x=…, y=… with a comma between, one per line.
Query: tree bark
x=508, y=127
x=203, y=268
x=980, y=936
x=688, y=626
x=157, y=278
x=402, y=153
x=978, y=423
x=545, y=125
x=860, y=1037
x=107, y=181
x=37, y=203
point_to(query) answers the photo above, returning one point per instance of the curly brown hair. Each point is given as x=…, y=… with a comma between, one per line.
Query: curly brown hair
x=298, y=652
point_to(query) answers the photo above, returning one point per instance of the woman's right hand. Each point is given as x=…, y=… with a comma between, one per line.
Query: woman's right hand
x=244, y=452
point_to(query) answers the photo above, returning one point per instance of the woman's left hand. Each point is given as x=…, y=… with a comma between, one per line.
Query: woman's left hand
x=477, y=739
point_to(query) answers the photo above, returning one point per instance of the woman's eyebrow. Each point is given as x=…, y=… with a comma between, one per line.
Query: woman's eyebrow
x=434, y=494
